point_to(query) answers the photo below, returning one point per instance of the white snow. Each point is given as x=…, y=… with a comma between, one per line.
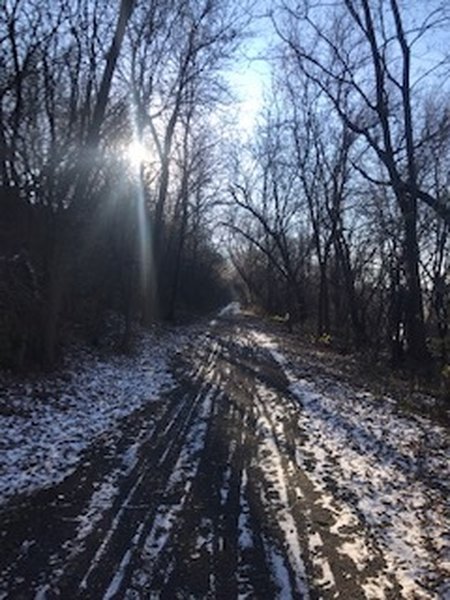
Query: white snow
x=270, y=462
x=326, y=579
x=225, y=489
x=101, y=500
x=391, y=470
x=280, y=574
x=183, y=474
x=116, y=581
x=230, y=310
x=245, y=532
x=47, y=422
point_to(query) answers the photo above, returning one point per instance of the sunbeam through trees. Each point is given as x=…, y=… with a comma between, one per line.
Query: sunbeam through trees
x=224, y=299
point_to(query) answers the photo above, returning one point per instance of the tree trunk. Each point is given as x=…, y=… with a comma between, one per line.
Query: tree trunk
x=395, y=319
x=323, y=317
x=59, y=267
x=414, y=319
x=178, y=254
x=343, y=260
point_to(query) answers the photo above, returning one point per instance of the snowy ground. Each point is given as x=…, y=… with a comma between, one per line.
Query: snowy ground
x=47, y=422
x=253, y=475
x=371, y=463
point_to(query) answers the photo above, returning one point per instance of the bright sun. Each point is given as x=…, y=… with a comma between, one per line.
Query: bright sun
x=136, y=153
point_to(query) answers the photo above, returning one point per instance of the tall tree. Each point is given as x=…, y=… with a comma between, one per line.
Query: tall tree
x=362, y=64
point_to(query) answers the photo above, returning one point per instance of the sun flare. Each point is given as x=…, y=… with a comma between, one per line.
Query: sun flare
x=136, y=153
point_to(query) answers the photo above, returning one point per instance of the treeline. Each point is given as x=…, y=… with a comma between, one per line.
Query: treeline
x=108, y=161
x=341, y=213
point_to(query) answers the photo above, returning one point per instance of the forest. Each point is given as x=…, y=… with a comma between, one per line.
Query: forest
x=224, y=299
x=129, y=195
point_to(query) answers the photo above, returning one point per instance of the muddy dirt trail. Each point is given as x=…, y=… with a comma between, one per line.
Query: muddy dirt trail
x=214, y=492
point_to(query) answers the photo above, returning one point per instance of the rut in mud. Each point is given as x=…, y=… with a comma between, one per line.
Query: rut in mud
x=226, y=488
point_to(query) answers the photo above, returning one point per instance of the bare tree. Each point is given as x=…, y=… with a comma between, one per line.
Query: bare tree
x=267, y=203
x=362, y=64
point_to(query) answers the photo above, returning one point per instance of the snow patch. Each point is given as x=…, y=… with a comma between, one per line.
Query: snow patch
x=387, y=469
x=231, y=309
x=180, y=481
x=245, y=532
x=270, y=462
x=48, y=422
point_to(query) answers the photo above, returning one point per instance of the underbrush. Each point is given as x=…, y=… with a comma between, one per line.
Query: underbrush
x=424, y=390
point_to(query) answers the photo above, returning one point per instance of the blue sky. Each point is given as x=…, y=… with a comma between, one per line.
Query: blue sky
x=251, y=74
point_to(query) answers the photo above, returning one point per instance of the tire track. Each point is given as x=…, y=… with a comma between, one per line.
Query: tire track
x=110, y=548
x=218, y=501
